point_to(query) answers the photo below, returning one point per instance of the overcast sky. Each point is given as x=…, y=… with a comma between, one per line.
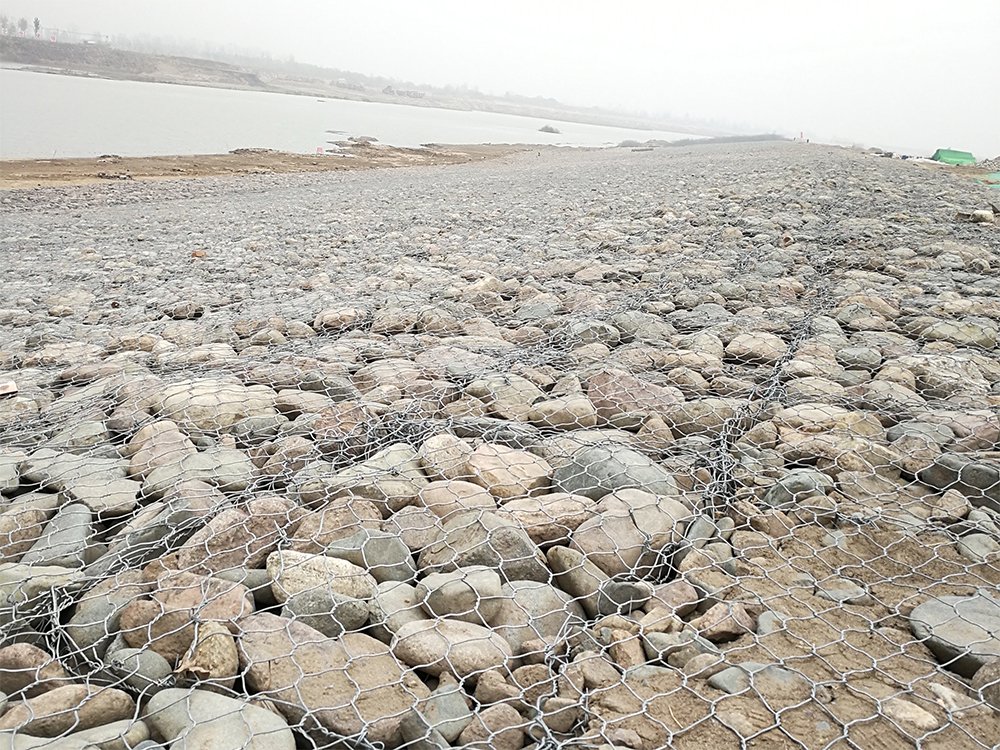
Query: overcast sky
x=904, y=74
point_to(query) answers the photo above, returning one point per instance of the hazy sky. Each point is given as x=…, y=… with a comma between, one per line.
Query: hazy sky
x=905, y=74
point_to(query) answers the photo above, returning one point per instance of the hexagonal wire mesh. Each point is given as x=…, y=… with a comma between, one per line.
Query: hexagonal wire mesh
x=716, y=473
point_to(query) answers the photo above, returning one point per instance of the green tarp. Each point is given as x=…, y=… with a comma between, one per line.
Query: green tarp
x=948, y=156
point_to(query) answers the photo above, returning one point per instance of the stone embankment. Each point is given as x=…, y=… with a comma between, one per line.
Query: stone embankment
x=689, y=448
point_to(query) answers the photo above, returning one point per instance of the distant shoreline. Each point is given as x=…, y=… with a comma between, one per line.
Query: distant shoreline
x=97, y=61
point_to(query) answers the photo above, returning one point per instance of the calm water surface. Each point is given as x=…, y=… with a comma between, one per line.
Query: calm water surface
x=46, y=116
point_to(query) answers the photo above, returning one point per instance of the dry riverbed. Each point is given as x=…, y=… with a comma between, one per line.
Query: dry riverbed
x=693, y=448
x=29, y=173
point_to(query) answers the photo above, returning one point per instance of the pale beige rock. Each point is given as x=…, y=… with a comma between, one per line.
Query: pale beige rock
x=68, y=708
x=446, y=497
x=441, y=645
x=342, y=518
x=445, y=456
x=347, y=685
x=724, y=621
x=508, y=473
x=292, y=572
x=240, y=539
x=549, y=518
x=213, y=657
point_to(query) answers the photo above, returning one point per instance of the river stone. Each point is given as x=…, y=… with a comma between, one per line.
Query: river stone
x=140, y=668
x=979, y=548
x=445, y=457
x=211, y=405
x=842, y=591
x=26, y=667
x=625, y=399
x=977, y=480
x=962, y=631
x=228, y=469
x=569, y=412
x=65, y=541
x=449, y=496
x=622, y=597
x=240, y=538
x=484, y=538
x=393, y=605
x=342, y=518
x=550, y=518
x=797, y=485
x=385, y=556
x=23, y=521
x=127, y=734
x=460, y=648
x=416, y=733
x=580, y=578
x=67, y=708
x=347, y=685
x=392, y=479
x=202, y=720
x=757, y=347
x=446, y=710
x=23, y=587
x=469, y=594
x=764, y=679
x=508, y=473
x=629, y=531
x=597, y=470
x=416, y=527
x=530, y=610
x=987, y=683
x=326, y=611
x=96, y=617
x=498, y=727
x=294, y=572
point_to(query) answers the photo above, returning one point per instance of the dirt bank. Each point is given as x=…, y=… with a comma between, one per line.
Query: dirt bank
x=30, y=173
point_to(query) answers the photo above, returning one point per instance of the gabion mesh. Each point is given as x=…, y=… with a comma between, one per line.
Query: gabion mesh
x=692, y=449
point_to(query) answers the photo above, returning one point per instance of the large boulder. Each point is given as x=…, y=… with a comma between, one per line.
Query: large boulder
x=597, y=470
x=484, y=538
x=347, y=685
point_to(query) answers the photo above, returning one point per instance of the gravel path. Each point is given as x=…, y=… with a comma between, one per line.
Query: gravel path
x=693, y=447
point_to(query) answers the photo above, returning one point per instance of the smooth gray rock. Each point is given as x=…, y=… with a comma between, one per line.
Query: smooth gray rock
x=962, y=631
x=755, y=677
x=417, y=733
x=471, y=594
x=531, y=610
x=142, y=669
x=676, y=648
x=446, y=710
x=842, y=591
x=978, y=547
x=597, y=470
x=977, y=480
x=577, y=576
x=484, y=538
x=383, y=555
x=65, y=540
x=938, y=434
x=202, y=719
x=797, y=485
x=622, y=597
x=393, y=605
x=327, y=611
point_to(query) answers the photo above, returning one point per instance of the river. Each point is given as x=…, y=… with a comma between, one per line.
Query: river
x=49, y=116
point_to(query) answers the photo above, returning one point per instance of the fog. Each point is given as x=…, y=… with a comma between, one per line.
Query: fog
x=908, y=75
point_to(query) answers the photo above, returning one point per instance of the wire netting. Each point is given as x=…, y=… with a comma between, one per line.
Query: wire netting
x=719, y=471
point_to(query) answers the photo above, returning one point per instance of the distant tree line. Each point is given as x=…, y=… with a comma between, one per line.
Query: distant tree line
x=8, y=25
